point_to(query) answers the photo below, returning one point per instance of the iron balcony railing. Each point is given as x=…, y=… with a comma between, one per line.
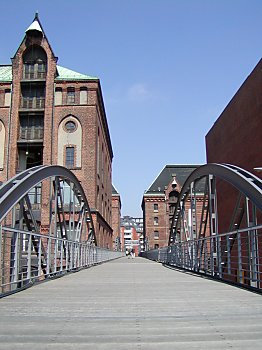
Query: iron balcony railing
x=32, y=103
x=31, y=133
x=34, y=75
x=233, y=257
x=27, y=257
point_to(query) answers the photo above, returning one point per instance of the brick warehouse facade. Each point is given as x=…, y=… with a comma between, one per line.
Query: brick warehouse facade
x=159, y=201
x=53, y=115
x=236, y=138
x=116, y=216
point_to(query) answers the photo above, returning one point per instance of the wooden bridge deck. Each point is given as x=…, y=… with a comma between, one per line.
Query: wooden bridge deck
x=131, y=304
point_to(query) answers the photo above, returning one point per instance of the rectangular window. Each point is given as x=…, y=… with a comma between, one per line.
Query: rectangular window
x=83, y=96
x=7, y=98
x=31, y=127
x=156, y=235
x=156, y=246
x=70, y=96
x=29, y=70
x=58, y=96
x=70, y=157
x=33, y=98
x=155, y=207
x=155, y=220
x=41, y=70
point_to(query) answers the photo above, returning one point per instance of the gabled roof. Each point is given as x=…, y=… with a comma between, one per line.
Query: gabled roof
x=181, y=172
x=63, y=74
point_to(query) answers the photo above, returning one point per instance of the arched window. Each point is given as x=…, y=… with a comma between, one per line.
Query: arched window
x=35, y=63
x=70, y=142
x=155, y=220
x=155, y=207
x=173, y=196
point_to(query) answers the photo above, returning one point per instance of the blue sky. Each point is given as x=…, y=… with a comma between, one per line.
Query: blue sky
x=168, y=68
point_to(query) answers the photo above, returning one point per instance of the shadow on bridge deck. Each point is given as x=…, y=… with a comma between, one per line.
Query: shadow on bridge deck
x=131, y=304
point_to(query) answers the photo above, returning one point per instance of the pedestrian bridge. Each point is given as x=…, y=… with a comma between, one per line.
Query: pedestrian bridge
x=131, y=304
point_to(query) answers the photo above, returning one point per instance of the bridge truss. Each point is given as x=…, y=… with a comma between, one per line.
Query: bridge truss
x=217, y=232
x=46, y=228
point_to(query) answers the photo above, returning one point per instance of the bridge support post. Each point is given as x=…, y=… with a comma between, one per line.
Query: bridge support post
x=240, y=268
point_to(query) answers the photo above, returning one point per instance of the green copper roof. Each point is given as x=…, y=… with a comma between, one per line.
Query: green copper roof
x=5, y=73
x=68, y=74
x=63, y=74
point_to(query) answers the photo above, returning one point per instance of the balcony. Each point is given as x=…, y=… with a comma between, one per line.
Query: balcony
x=31, y=133
x=34, y=75
x=32, y=103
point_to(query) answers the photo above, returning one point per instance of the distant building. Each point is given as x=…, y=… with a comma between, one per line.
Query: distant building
x=132, y=234
x=116, y=217
x=159, y=202
x=53, y=115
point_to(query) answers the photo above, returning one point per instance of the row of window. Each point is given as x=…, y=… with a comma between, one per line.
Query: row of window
x=31, y=98
x=71, y=97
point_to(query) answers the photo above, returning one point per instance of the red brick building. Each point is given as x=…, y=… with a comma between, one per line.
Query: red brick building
x=53, y=115
x=236, y=138
x=159, y=203
x=116, y=216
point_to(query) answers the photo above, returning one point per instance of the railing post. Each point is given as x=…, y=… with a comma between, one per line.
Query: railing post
x=228, y=255
x=61, y=255
x=55, y=254
x=205, y=256
x=240, y=271
x=39, y=256
x=71, y=256
x=29, y=257
x=66, y=255
x=219, y=256
x=212, y=256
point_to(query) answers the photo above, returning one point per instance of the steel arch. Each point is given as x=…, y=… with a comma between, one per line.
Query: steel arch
x=15, y=189
x=36, y=244
x=247, y=183
x=197, y=241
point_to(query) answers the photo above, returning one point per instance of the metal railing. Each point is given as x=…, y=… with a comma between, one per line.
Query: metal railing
x=31, y=133
x=34, y=75
x=32, y=103
x=27, y=257
x=234, y=257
